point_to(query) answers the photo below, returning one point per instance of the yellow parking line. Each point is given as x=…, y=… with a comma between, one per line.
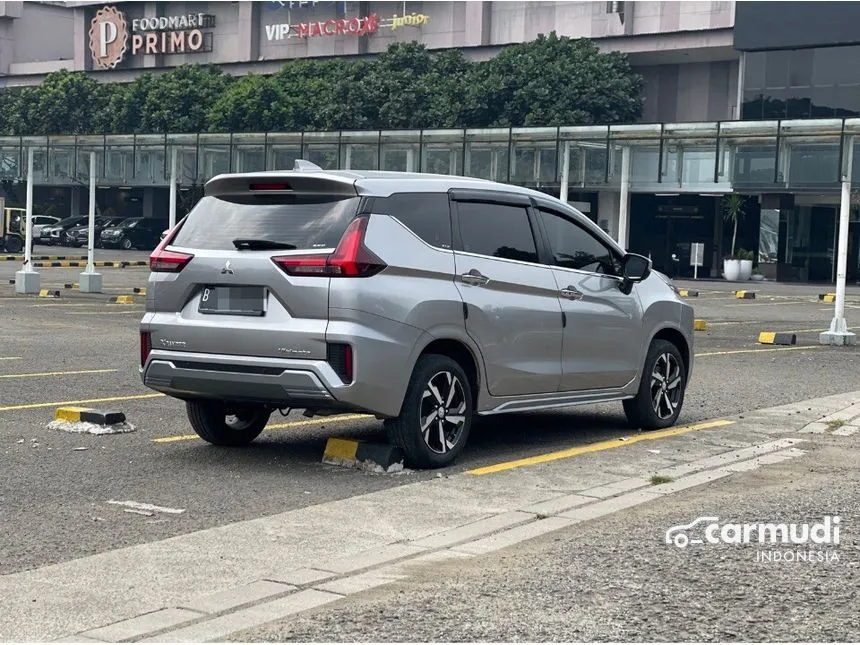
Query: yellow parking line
x=37, y=374
x=136, y=311
x=108, y=399
x=279, y=426
x=597, y=447
x=755, y=351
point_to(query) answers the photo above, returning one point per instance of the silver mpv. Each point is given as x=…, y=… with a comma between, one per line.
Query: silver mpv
x=421, y=299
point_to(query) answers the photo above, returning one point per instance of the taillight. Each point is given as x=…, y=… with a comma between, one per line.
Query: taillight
x=145, y=346
x=162, y=261
x=351, y=258
x=339, y=356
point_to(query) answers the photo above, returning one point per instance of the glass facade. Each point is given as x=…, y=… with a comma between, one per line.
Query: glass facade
x=762, y=156
x=814, y=83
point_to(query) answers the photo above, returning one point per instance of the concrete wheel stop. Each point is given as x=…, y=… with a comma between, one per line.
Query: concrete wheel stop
x=364, y=455
x=90, y=421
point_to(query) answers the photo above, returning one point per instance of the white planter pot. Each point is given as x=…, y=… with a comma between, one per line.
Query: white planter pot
x=746, y=269
x=732, y=270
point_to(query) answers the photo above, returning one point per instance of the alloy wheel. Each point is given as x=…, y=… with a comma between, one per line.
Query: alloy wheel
x=666, y=385
x=443, y=412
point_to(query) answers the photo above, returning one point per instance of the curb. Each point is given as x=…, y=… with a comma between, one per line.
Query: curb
x=121, y=300
x=140, y=290
x=89, y=415
x=353, y=453
x=49, y=293
x=777, y=338
x=71, y=285
x=745, y=295
x=100, y=263
x=827, y=297
x=700, y=325
x=688, y=293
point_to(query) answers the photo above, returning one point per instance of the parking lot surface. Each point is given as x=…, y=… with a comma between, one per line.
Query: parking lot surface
x=81, y=349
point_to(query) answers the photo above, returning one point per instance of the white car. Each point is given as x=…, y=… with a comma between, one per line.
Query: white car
x=40, y=221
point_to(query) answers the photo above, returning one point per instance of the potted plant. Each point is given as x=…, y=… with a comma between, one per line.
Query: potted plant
x=733, y=211
x=757, y=275
x=746, y=260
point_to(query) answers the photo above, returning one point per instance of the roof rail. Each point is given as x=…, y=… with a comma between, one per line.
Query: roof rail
x=305, y=165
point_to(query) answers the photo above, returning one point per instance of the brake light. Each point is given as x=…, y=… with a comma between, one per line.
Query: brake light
x=145, y=346
x=273, y=186
x=351, y=258
x=162, y=261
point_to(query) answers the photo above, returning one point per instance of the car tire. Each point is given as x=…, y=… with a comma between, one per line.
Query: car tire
x=14, y=244
x=433, y=375
x=126, y=244
x=221, y=426
x=664, y=380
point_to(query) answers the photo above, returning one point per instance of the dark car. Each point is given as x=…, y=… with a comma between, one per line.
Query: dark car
x=56, y=234
x=133, y=233
x=79, y=235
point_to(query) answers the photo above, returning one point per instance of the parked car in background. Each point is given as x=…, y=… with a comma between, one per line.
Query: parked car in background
x=40, y=222
x=54, y=233
x=79, y=235
x=133, y=233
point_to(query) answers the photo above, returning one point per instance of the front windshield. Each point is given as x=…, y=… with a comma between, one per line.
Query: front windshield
x=128, y=223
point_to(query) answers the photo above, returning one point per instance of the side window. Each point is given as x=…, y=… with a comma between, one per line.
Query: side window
x=575, y=248
x=496, y=230
x=427, y=215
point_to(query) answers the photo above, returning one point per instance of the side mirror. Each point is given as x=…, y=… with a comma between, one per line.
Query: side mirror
x=635, y=268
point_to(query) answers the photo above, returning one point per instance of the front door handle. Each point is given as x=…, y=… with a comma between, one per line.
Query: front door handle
x=475, y=277
x=571, y=293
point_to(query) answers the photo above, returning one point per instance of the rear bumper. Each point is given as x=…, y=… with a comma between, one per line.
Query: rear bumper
x=279, y=382
x=384, y=353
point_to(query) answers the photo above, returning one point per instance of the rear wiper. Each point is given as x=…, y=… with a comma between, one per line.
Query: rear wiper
x=263, y=245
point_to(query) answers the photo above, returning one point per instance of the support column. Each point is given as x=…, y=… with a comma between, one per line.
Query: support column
x=838, y=333
x=624, y=206
x=565, y=172
x=90, y=281
x=27, y=280
x=172, y=207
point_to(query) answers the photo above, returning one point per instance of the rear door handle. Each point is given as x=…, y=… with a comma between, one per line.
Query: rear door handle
x=475, y=277
x=571, y=293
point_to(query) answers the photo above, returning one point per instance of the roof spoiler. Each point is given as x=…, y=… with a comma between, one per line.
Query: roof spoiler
x=306, y=178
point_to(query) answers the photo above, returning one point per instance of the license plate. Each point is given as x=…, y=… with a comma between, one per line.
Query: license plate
x=234, y=301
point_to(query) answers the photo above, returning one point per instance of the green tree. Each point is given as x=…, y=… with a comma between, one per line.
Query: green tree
x=409, y=87
x=9, y=112
x=64, y=103
x=322, y=94
x=253, y=103
x=179, y=100
x=554, y=81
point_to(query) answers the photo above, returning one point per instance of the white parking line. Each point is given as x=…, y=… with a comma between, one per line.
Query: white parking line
x=141, y=506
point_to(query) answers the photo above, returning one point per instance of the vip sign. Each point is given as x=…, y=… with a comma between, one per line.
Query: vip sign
x=110, y=35
x=343, y=26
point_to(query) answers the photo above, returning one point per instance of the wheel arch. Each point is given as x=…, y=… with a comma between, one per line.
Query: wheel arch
x=677, y=338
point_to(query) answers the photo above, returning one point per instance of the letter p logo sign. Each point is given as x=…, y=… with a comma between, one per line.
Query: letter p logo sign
x=108, y=38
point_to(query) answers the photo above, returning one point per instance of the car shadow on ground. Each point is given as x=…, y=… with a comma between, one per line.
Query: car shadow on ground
x=492, y=439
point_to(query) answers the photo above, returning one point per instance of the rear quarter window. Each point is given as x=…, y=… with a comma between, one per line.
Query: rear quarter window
x=307, y=222
x=427, y=215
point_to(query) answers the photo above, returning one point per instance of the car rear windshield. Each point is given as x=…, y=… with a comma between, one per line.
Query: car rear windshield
x=307, y=222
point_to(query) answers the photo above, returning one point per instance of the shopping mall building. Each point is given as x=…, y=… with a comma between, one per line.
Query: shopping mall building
x=757, y=98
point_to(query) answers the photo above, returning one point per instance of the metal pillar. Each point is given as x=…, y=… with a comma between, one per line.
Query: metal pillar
x=90, y=281
x=27, y=280
x=565, y=172
x=624, y=206
x=838, y=333
x=172, y=209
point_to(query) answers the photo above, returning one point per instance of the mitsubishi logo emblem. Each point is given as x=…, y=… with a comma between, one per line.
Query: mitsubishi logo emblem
x=227, y=269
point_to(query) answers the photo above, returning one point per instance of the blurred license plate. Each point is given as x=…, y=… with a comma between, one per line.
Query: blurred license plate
x=235, y=301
